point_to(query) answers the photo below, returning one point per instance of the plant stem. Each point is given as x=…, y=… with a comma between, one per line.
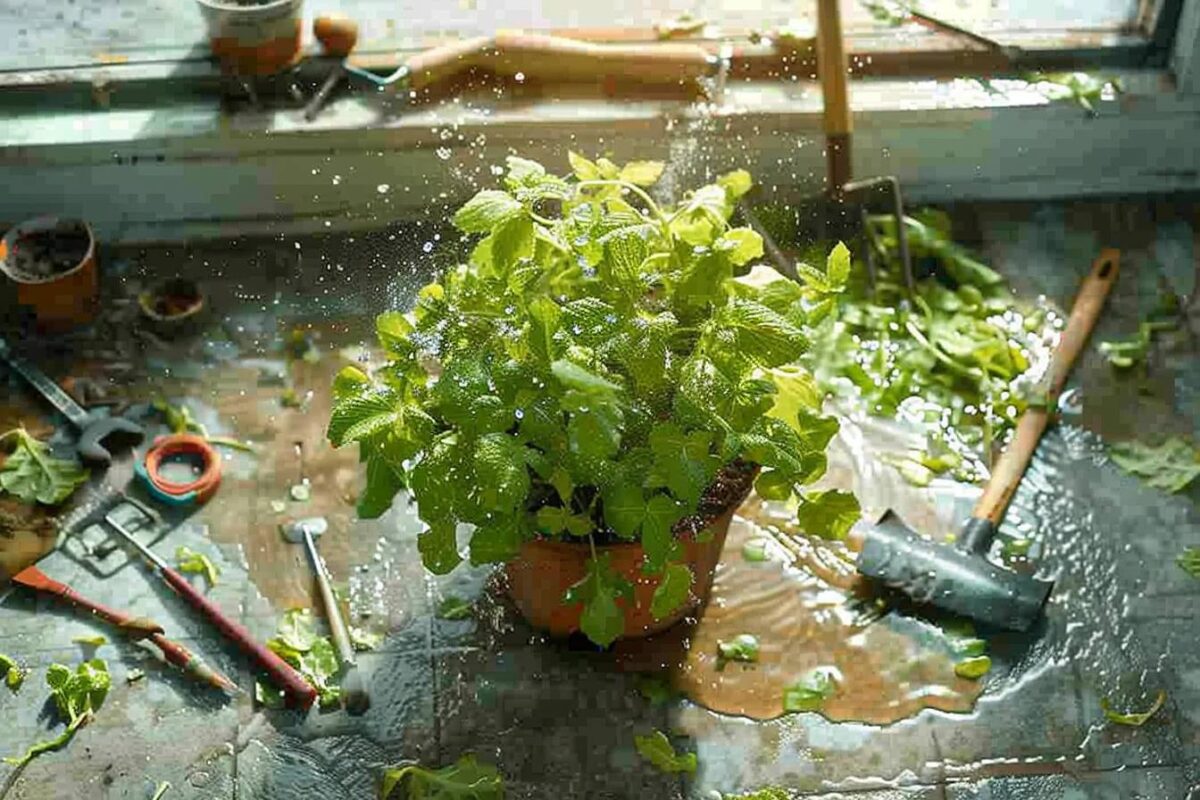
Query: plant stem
x=654, y=209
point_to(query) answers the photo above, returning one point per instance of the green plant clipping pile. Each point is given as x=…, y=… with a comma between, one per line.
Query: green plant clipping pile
x=657, y=749
x=950, y=353
x=296, y=641
x=1170, y=466
x=598, y=364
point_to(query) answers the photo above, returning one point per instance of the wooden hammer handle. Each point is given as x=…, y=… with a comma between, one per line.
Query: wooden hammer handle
x=1006, y=474
x=560, y=58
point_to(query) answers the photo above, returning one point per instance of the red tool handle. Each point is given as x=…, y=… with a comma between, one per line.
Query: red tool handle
x=293, y=684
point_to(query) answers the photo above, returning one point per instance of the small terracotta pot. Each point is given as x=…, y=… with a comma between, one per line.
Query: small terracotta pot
x=261, y=39
x=544, y=569
x=173, y=308
x=65, y=299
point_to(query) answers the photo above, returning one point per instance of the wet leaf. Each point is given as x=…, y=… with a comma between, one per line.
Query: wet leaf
x=973, y=668
x=188, y=560
x=77, y=696
x=454, y=608
x=12, y=673
x=486, y=210
x=1133, y=718
x=94, y=640
x=34, y=475
x=755, y=551
x=656, y=748
x=466, y=779
x=1170, y=466
x=1189, y=561
x=811, y=691
x=602, y=620
x=829, y=514
x=364, y=640
x=672, y=592
x=297, y=629
x=743, y=647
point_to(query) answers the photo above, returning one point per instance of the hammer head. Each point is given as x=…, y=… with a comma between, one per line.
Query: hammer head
x=962, y=582
x=294, y=531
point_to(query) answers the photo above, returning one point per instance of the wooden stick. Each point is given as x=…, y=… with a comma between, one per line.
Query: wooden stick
x=833, y=69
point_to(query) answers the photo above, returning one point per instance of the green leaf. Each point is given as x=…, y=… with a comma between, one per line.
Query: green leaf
x=757, y=334
x=383, y=482
x=775, y=485
x=454, y=608
x=523, y=170
x=1189, y=561
x=641, y=173
x=501, y=472
x=672, y=592
x=544, y=315
x=77, y=696
x=465, y=779
x=32, y=474
x=656, y=749
x=393, y=330
x=837, y=267
x=1133, y=718
x=359, y=416
x=594, y=431
x=811, y=691
x=625, y=509
x=736, y=183
x=554, y=520
x=683, y=461
x=658, y=536
x=755, y=551
x=602, y=620
x=973, y=668
x=1170, y=466
x=743, y=647
x=511, y=241
x=497, y=542
x=486, y=210
x=188, y=560
x=297, y=629
x=584, y=169
x=95, y=640
x=363, y=640
x=439, y=548
x=740, y=245
x=349, y=381
x=12, y=673
x=573, y=376
x=829, y=514
x=560, y=479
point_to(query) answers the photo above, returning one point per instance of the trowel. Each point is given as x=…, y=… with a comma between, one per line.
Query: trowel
x=960, y=578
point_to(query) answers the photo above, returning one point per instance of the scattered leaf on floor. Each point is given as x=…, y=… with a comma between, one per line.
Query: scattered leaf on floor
x=188, y=560
x=364, y=640
x=454, y=608
x=755, y=550
x=1133, y=718
x=134, y=675
x=12, y=673
x=465, y=779
x=77, y=696
x=1170, y=466
x=93, y=640
x=743, y=647
x=811, y=691
x=973, y=668
x=1189, y=561
x=657, y=749
x=34, y=475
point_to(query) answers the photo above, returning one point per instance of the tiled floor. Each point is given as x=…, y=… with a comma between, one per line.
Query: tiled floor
x=560, y=722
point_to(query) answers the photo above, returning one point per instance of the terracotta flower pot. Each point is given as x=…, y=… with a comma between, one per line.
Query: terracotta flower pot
x=172, y=308
x=253, y=39
x=60, y=298
x=544, y=569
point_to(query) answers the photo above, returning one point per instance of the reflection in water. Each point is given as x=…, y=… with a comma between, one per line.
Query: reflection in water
x=795, y=604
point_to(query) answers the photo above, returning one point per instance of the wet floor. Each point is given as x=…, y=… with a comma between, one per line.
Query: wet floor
x=559, y=720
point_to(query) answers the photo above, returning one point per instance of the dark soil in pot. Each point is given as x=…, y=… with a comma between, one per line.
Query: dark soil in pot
x=39, y=255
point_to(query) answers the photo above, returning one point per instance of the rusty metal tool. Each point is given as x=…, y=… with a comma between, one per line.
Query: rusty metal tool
x=33, y=578
x=298, y=691
x=960, y=579
x=94, y=429
x=354, y=689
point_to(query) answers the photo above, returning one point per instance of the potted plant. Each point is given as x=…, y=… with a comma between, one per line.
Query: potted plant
x=52, y=262
x=253, y=37
x=592, y=394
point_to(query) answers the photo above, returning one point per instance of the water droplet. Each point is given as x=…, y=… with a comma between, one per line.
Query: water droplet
x=383, y=188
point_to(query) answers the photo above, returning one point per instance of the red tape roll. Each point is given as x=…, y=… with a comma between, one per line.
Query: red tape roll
x=185, y=444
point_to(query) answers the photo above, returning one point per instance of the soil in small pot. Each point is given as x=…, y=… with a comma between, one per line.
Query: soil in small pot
x=39, y=255
x=174, y=298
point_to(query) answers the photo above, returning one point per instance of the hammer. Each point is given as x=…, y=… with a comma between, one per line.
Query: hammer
x=960, y=579
x=93, y=429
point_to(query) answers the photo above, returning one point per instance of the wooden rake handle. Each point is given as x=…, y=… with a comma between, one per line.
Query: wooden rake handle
x=1006, y=474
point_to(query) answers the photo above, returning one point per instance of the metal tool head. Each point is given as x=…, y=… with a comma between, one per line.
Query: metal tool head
x=294, y=531
x=97, y=430
x=956, y=579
